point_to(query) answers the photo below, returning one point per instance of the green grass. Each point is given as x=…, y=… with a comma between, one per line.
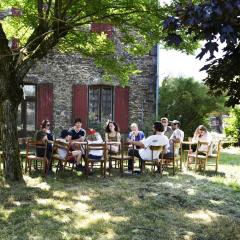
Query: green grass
x=187, y=206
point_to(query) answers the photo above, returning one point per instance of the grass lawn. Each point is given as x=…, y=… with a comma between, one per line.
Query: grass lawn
x=187, y=206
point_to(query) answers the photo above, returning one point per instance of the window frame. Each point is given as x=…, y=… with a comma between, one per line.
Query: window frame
x=26, y=99
x=101, y=87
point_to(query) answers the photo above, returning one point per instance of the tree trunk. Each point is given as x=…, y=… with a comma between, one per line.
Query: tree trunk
x=9, y=137
x=10, y=97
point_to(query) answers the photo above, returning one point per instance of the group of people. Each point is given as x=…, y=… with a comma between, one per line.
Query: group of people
x=163, y=135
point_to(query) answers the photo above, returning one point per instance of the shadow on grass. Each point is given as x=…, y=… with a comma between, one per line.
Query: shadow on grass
x=70, y=206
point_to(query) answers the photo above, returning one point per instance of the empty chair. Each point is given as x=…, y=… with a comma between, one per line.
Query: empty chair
x=215, y=156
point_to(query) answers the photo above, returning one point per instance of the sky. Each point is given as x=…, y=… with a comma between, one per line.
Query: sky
x=173, y=63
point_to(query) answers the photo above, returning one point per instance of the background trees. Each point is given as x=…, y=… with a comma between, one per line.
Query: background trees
x=215, y=21
x=232, y=128
x=188, y=101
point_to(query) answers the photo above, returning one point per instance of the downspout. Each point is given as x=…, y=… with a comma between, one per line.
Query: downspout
x=157, y=81
x=158, y=73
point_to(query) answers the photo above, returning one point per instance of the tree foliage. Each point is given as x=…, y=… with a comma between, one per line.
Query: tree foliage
x=232, y=128
x=215, y=21
x=66, y=23
x=189, y=102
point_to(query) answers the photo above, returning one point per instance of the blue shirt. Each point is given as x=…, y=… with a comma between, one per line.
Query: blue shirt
x=76, y=135
x=137, y=138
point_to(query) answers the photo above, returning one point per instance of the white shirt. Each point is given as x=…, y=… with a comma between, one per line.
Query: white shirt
x=154, y=140
x=96, y=152
x=177, y=134
x=62, y=152
x=206, y=137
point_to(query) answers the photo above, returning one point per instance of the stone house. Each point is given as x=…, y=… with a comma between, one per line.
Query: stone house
x=62, y=87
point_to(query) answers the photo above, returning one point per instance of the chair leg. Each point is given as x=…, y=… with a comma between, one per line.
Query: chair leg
x=26, y=165
x=30, y=166
x=216, y=168
x=173, y=166
x=104, y=168
x=196, y=161
x=121, y=166
x=160, y=166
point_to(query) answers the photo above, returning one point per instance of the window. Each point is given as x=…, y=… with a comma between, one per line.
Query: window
x=100, y=102
x=26, y=119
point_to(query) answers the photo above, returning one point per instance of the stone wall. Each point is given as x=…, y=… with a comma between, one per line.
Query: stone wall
x=64, y=70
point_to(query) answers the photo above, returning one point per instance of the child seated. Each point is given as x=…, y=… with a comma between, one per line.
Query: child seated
x=73, y=155
x=94, y=137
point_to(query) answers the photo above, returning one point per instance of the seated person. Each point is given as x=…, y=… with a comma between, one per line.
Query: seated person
x=112, y=134
x=135, y=134
x=201, y=134
x=94, y=138
x=76, y=134
x=144, y=153
x=76, y=154
x=176, y=137
x=167, y=130
x=45, y=134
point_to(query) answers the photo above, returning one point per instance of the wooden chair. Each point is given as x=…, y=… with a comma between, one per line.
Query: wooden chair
x=102, y=161
x=215, y=156
x=175, y=159
x=22, y=142
x=200, y=157
x=154, y=162
x=61, y=154
x=36, y=151
x=111, y=154
x=122, y=156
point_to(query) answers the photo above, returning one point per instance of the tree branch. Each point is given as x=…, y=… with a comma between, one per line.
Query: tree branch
x=5, y=53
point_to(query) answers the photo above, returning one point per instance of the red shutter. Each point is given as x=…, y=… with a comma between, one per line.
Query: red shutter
x=80, y=103
x=122, y=108
x=102, y=27
x=44, y=103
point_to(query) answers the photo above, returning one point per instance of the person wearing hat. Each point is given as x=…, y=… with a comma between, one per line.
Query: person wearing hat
x=177, y=132
x=177, y=136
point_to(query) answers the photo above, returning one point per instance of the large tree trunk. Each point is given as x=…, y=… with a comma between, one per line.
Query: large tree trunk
x=11, y=95
x=9, y=137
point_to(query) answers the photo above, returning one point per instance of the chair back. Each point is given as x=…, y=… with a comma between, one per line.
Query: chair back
x=125, y=146
x=177, y=146
x=96, y=147
x=203, y=147
x=38, y=147
x=156, y=148
x=22, y=143
x=59, y=146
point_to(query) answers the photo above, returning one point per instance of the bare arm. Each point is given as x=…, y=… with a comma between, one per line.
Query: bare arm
x=139, y=144
x=106, y=137
x=118, y=137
